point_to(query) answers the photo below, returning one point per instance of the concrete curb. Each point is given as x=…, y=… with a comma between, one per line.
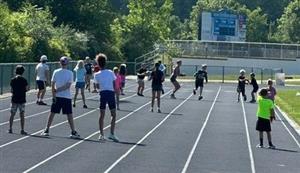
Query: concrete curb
x=295, y=126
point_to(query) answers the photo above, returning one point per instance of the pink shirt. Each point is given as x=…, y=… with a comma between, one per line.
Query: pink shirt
x=118, y=81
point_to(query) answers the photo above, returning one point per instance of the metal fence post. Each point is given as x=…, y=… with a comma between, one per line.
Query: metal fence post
x=28, y=77
x=1, y=79
x=261, y=75
x=223, y=74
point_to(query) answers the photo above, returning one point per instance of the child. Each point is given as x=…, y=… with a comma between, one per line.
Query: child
x=123, y=77
x=157, y=77
x=199, y=80
x=265, y=114
x=176, y=72
x=241, y=85
x=118, y=84
x=255, y=87
x=140, y=80
x=105, y=81
x=80, y=81
x=271, y=90
x=89, y=73
x=96, y=69
x=19, y=87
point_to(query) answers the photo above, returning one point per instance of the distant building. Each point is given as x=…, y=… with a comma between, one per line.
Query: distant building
x=223, y=25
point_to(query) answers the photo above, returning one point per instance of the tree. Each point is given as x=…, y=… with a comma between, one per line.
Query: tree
x=257, y=26
x=288, y=24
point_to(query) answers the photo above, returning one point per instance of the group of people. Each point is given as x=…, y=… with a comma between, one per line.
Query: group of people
x=265, y=111
x=107, y=83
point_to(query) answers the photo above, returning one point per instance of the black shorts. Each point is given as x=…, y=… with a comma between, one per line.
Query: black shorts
x=63, y=104
x=173, y=79
x=41, y=84
x=199, y=83
x=255, y=90
x=263, y=125
x=156, y=87
x=107, y=97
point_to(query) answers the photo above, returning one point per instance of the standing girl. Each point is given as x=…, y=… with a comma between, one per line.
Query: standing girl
x=157, y=77
x=80, y=81
x=118, y=84
x=123, y=77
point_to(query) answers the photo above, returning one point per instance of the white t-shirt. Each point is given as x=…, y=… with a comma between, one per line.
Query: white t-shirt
x=41, y=68
x=61, y=77
x=105, y=80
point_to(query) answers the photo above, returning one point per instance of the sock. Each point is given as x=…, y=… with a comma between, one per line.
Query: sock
x=261, y=141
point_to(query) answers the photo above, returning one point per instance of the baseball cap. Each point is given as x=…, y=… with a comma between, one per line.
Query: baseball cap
x=64, y=60
x=204, y=65
x=43, y=58
x=87, y=58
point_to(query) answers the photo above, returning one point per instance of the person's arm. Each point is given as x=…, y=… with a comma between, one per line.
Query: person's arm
x=64, y=87
x=114, y=84
x=206, y=78
x=272, y=117
x=47, y=76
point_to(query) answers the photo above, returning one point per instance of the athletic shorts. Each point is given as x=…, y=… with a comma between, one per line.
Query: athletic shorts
x=263, y=125
x=107, y=97
x=122, y=84
x=156, y=88
x=199, y=83
x=80, y=85
x=63, y=104
x=255, y=90
x=41, y=84
x=15, y=106
x=140, y=81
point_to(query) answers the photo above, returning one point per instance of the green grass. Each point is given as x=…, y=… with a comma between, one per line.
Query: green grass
x=289, y=103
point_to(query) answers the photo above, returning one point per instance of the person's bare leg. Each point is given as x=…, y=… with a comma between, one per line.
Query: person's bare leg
x=261, y=138
x=11, y=120
x=83, y=96
x=118, y=100
x=22, y=118
x=71, y=121
x=142, y=88
x=50, y=119
x=153, y=99
x=43, y=92
x=101, y=121
x=269, y=138
x=158, y=99
x=201, y=90
x=75, y=96
x=113, y=121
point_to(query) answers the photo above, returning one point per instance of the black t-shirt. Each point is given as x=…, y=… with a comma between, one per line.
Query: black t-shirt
x=157, y=77
x=19, y=87
x=141, y=75
x=88, y=68
x=201, y=75
x=254, y=83
x=242, y=81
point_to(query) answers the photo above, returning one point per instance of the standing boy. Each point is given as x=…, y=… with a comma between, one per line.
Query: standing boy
x=253, y=82
x=265, y=114
x=42, y=79
x=157, y=77
x=140, y=80
x=105, y=81
x=199, y=80
x=242, y=84
x=19, y=87
x=271, y=90
x=62, y=79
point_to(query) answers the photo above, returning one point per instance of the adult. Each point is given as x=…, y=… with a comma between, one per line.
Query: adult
x=105, y=82
x=173, y=79
x=140, y=80
x=42, y=79
x=61, y=81
x=89, y=73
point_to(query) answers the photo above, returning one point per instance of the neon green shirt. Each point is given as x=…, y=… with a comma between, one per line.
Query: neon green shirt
x=264, y=107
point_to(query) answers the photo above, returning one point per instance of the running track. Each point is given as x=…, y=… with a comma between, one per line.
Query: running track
x=213, y=135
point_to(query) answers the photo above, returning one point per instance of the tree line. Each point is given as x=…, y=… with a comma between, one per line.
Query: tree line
x=126, y=29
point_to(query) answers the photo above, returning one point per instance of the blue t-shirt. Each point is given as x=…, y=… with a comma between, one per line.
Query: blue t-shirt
x=80, y=75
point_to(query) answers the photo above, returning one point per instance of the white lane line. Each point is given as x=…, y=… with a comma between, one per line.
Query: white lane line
x=187, y=163
x=146, y=136
x=81, y=141
x=248, y=137
x=40, y=131
x=288, y=130
x=34, y=102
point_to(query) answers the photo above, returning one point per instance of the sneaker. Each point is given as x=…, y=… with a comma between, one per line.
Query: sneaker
x=259, y=146
x=45, y=133
x=158, y=111
x=122, y=94
x=37, y=102
x=85, y=106
x=271, y=147
x=74, y=135
x=151, y=110
x=94, y=91
x=142, y=95
x=23, y=132
x=245, y=98
x=163, y=91
x=200, y=98
x=9, y=131
x=113, y=138
x=42, y=103
x=194, y=91
x=172, y=96
x=102, y=138
x=253, y=101
x=74, y=105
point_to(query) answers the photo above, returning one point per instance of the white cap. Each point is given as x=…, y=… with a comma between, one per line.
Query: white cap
x=204, y=65
x=43, y=58
x=242, y=71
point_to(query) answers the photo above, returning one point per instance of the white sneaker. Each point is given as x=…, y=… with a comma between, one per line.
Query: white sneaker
x=45, y=133
x=113, y=138
x=102, y=138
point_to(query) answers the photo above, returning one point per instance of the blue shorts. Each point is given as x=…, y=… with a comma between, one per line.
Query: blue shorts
x=80, y=85
x=63, y=104
x=41, y=84
x=107, y=97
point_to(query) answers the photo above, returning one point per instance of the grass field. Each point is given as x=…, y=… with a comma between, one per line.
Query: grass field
x=289, y=103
